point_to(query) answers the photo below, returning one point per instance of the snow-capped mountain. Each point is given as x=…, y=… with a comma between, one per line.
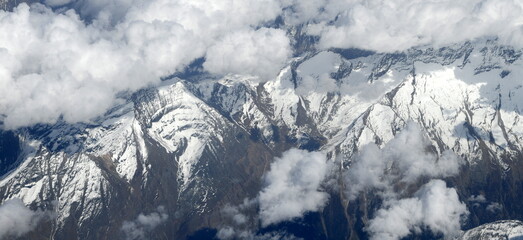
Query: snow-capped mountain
x=512, y=230
x=196, y=144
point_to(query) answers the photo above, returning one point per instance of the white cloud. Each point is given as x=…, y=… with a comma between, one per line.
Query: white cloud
x=400, y=24
x=144, y=223
x=16, y=219
x=434, y=206
x=293, y=186
x=410, y=151
x=55, y=65
x=261, y=53
x=405, y=159
x=74, y=66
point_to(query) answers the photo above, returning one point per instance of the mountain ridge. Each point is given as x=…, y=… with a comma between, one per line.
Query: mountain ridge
x=195, y=146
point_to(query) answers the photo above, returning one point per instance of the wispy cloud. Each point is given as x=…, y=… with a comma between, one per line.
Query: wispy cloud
x=144, y=224
x=16, y=219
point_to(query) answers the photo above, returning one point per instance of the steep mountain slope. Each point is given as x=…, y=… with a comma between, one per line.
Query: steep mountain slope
x=193, y=146
x=497, y=230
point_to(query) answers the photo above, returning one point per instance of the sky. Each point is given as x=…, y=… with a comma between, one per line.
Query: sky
x=73, y=60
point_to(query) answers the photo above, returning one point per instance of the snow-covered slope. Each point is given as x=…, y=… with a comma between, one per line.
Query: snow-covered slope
x=195, y=146
x=511, y=230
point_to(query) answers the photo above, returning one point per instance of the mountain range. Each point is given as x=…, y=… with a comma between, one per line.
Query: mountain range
x=192, y=157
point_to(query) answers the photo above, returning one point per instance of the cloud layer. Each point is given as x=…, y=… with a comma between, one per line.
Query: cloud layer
x=73, y=64
x=400, y=24
x=56, y=65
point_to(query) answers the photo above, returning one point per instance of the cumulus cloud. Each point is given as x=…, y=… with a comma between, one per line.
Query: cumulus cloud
x=144, y=223
x=293, y=186
x=57, y=65
x=400, y=24
x=16, y=219
x=434, y=206
x=405, y=159
x=376, y=24
x=53, y=65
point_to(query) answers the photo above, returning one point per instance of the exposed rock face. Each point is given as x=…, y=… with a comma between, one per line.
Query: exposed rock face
x=195, y=146
x=512, y=230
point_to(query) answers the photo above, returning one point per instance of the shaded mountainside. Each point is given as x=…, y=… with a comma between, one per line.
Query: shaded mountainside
x=194, y=146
